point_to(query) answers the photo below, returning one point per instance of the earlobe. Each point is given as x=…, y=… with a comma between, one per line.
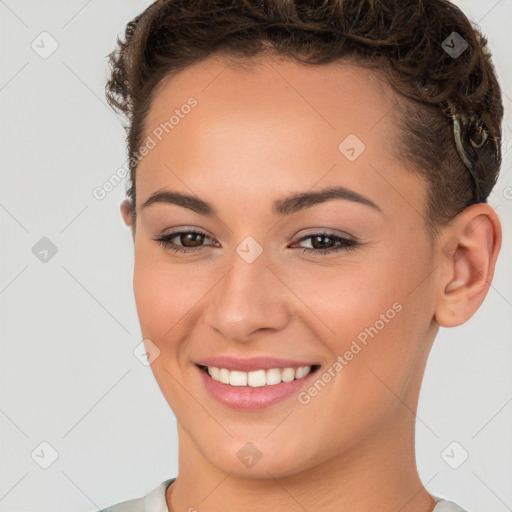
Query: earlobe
x=467, y=262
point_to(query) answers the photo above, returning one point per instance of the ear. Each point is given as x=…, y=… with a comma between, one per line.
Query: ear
x=468, y=252
x=126, y=212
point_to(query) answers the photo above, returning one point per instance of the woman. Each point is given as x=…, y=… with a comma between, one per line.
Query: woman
x=308, y=206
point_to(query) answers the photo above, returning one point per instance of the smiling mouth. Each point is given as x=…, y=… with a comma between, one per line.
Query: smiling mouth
x=257, y=378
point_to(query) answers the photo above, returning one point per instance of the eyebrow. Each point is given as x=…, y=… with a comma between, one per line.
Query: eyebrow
x=291, y=204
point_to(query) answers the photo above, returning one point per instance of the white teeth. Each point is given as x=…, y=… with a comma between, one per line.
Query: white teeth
x=237, y=378
x=215, y=373
x=302, y=371
x=224, y=376
x=257, y=378
x=288, y=374
x=273, y=376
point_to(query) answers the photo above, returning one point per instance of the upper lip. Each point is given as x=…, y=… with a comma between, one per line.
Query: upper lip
x=251, y=364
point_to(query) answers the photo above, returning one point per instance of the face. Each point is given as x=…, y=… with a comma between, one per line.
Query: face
x=335, y=281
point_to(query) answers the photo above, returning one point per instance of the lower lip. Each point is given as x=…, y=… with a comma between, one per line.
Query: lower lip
x=249, y=398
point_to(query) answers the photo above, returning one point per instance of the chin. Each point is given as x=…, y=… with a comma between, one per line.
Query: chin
x=260, y=459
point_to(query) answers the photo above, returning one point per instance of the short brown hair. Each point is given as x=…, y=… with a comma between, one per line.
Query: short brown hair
x=404, y=40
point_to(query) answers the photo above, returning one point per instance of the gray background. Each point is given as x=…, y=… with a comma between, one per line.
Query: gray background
x=69, y=325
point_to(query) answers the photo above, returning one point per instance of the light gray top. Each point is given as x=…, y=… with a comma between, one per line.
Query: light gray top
x=154, y=501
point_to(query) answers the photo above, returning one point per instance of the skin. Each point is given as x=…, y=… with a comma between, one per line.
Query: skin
x=258, y=134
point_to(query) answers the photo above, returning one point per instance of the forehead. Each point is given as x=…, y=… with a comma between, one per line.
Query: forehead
x=271, y=123
x=340, y=94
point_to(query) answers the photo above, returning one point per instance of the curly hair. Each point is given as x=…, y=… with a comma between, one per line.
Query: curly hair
x=449, y=121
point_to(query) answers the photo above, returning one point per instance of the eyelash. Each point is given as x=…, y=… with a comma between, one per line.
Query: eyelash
x=345, y=243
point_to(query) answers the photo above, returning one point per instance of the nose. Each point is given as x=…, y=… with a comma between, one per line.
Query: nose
x=248, y=300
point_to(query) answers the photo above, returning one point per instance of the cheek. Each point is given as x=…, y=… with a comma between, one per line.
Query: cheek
x=343, y=301
x=165, y=296
x=373, y=315
x=165, y=292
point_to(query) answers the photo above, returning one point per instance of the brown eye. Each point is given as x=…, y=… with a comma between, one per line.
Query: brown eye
x=183, y=241
x=323, y=243
x=191, y=239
